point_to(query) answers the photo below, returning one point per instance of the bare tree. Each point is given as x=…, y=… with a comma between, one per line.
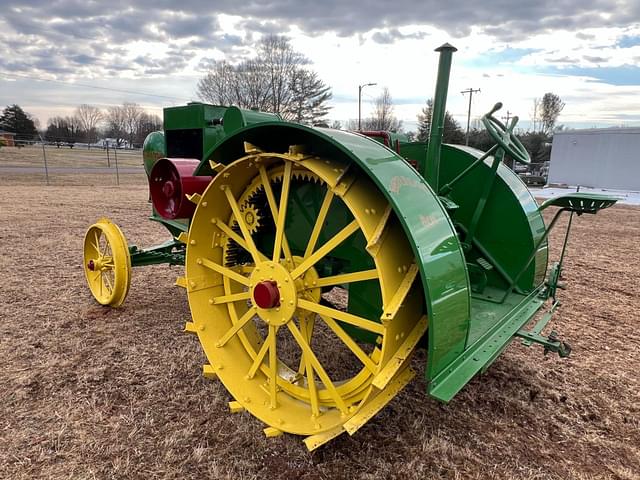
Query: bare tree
x=535, y=112
x=276, y=80
x=383, y=117
x=132, y=113
x=89, y=118
x=550, y=109
x=146, y=124
x=116, y=123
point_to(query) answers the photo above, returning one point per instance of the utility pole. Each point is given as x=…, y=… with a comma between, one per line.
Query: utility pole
x=470, y=91
x=506, y=118
x=360, y=87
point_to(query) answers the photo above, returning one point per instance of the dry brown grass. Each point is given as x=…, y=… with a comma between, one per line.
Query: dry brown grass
x=90, y=392
x=31, y=156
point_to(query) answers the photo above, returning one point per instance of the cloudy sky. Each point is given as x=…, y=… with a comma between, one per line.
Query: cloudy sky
x=56, y=54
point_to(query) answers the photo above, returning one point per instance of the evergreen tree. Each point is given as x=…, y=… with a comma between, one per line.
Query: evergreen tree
x=452, y=131
x=16, y=120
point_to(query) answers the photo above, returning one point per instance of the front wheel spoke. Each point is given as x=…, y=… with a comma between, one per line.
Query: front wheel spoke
x=236, y=327
x=315, y=364
x=347, y=278
x=105, y=276
x=317, y=227
x=249, y=245
x=350, y=343
x=325, y=249
x=273, y=367
x=226, y=272
x=345, y=317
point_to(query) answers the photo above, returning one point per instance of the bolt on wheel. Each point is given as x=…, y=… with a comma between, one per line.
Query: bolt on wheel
x=107, y=263
x=265, y=300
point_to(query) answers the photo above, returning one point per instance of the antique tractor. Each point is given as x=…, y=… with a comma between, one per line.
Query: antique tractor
x=317, y=260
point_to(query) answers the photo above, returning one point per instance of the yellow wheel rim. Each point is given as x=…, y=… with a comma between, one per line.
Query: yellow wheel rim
x=245, y=330
x=107, y=263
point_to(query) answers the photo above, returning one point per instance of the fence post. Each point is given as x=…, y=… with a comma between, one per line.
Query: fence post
x=115, y=155
x=44, y=156
x=108, y=160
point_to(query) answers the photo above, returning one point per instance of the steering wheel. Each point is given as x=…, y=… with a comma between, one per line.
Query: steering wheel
x=504, y=137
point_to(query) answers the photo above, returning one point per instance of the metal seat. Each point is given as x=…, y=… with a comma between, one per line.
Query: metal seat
x=581, y=202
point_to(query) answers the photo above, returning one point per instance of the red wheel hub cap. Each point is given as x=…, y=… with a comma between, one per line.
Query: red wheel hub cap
x=266, y=294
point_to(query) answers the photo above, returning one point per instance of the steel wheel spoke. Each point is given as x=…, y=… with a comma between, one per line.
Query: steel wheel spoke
x=105, y=276
x=259, y=357
x=237, y=326
x=282, y=211
x=310, y=261
x=236, y=238
x=235, y=297
x=317, y=227
x=307, y=322
x=273, y=366
x=347, y=278
x=350, y=343
x=227, y=272
x=345, y=317
x=249, y=246
x=315, y=364
x=273, y=206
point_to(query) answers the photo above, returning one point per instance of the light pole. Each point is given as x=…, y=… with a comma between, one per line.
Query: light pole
x=360, y=87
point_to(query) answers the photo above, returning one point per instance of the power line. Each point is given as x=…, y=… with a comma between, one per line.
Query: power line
x=131, y=92
x=470, y=91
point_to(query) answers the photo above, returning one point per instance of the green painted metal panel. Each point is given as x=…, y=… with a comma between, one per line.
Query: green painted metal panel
x=511, y=223
x=153, y=149
x=425, y=222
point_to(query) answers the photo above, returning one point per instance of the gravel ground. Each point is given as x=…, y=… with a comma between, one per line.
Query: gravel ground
x=91, y=392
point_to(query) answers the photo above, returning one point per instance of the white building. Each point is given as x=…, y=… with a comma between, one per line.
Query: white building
x=607, y=158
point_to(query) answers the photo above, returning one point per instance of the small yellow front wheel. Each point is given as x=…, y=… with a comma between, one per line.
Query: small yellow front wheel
x=107, y=263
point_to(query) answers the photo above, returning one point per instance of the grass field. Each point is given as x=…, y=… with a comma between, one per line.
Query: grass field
x=90, y=392
x=32, y=155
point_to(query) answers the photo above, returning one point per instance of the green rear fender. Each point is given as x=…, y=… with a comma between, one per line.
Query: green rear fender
x=432, y=236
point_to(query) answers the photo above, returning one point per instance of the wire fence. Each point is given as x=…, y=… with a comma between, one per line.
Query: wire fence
x=61, y=163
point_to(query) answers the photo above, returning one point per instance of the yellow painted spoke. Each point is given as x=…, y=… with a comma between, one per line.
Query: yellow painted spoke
x=271, y=200
x=96, y=242
x=307, y=322
x=236, y=297
x=249, y=246
x=105, y=275
x=313, y=389
x=342, y=316
x=260, y=356
x=317, y=228
x=236, y=327
x=273, y=366
x=227, y=272
x=282, y=211
x=349, y=342
x=310, y=261
x=347, y=278
x=315, y=364
x=235, y=237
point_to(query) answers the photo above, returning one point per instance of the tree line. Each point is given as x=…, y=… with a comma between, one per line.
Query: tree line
x=127, y=124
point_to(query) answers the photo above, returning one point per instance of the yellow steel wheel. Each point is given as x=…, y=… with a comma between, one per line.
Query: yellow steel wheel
x=107, y=263
x=266, y=329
